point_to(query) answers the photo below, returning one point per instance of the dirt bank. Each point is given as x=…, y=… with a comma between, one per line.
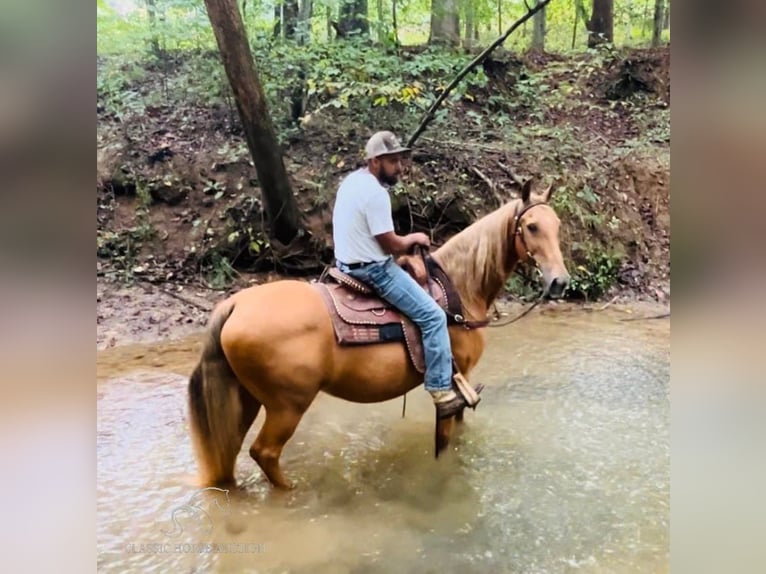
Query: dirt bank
x=178, y=202
x=145, y=313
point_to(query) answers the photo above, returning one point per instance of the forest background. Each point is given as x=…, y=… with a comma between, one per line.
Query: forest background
x=577, y=97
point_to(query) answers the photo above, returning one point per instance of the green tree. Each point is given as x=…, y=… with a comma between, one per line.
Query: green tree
x=659, y=18
x=601, y=25
x=353, y=19
x=445, y=23
x=278, y=199
x=538, y=38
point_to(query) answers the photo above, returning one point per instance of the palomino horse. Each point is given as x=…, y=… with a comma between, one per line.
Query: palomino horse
x=273, y=345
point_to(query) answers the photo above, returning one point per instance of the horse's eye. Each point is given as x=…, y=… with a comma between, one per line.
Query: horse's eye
x=532, y=228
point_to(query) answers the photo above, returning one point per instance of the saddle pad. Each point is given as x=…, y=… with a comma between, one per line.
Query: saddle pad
x=360, y=319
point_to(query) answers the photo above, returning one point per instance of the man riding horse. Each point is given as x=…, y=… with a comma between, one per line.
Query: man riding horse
x=365, y=244
x=274, y=347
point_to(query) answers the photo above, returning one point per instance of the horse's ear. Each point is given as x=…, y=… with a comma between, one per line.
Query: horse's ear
x=547, y=194
x=526, y=190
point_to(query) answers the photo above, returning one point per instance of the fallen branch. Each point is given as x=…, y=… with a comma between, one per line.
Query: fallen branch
x=464, y=145
x=604, y=306
x=660, y=316
x=510, y=173
x=484, y=178
x=183, y=298
x=441, y=215
x=475, y=62
x=490, y=184
x=607, y=304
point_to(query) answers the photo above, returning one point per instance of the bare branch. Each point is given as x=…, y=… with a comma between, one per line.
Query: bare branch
x=510, y=173
x=484, y=178
x=490, y=184
x=466, y=145
x=475, y=62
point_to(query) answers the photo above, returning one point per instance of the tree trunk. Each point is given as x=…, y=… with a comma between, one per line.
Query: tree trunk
x=278, y=198
x=601, y=25
x=659, y=12
x=303, y=33
x=469, y=25
x=154, y=42
x=278, y=19
x=353, y=19
x=538, y=36
x=381, y=18
x=445, y=23
x=645, y=20
x=581, y=14
x=289, y=18
x=393, y=22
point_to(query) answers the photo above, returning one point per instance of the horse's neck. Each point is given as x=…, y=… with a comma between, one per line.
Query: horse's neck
x=479, y=260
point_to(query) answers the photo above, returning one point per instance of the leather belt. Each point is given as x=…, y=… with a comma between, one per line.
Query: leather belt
x=358, y=265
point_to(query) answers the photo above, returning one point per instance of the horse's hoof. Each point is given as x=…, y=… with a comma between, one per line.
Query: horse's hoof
x=284, y=486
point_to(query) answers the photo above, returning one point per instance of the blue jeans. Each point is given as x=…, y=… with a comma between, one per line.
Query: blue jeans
x=395, y=286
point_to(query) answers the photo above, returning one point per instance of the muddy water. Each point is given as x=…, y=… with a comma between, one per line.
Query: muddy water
x=564, y=467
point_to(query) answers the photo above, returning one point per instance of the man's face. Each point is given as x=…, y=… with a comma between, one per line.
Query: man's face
x=390, y=167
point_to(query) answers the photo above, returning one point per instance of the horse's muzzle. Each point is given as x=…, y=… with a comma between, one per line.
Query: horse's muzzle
x=557, y=287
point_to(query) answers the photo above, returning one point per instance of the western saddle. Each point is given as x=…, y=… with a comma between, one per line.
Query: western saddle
x=360, y=317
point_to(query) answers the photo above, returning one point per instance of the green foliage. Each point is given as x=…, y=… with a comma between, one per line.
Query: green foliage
x=217, y=270
x=182, y=24
x=523, y=286
x=598, y=272
x=375, y=85
x=123, y=248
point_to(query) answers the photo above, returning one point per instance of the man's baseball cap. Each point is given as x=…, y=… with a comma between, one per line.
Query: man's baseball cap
x=383, y=143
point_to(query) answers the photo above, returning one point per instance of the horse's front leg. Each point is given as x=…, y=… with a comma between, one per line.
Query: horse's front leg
x=279, y=426
x=442, y=434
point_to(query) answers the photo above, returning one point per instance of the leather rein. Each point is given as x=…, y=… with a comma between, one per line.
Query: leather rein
x=455, y=314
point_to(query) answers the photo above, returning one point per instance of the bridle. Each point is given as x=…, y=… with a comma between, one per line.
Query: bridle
x=518, y=233
x=526, y=255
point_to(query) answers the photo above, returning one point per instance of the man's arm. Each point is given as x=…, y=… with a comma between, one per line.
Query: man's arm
x=394, y=244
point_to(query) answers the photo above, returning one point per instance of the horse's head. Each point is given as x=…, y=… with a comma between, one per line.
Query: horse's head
x=535, y=232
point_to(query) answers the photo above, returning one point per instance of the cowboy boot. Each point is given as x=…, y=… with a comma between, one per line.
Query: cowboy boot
x=450, y=403
x=470, y=394
x=447, y=403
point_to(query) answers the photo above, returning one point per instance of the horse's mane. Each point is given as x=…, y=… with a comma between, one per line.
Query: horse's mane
x=477, y=258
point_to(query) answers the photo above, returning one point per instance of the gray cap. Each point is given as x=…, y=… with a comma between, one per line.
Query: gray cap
x=383, y=143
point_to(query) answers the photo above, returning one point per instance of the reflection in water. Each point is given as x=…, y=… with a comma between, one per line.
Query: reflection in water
x=564, y=467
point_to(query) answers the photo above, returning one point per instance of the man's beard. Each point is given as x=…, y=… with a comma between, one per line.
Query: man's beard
x=386, y=179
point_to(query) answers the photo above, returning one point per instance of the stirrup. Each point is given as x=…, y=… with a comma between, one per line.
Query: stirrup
x=469, y=394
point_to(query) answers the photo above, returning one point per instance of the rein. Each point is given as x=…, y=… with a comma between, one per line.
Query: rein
x=522, y=314
x=455, y=307
x=433, y=269
x=455, y=313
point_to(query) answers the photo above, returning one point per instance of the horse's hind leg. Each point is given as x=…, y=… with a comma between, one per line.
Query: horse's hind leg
x=250, y=408
x=279, y=426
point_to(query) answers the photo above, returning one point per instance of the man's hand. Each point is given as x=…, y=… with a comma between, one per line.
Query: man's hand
x=419, y=239
x=399, y=244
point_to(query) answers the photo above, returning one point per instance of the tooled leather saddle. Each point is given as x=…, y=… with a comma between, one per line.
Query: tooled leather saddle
x=360, y=317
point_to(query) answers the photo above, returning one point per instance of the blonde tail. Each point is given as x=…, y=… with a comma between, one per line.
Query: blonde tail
x=215, y=408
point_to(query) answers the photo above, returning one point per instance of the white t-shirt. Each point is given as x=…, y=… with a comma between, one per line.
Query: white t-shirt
x=362, y=211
